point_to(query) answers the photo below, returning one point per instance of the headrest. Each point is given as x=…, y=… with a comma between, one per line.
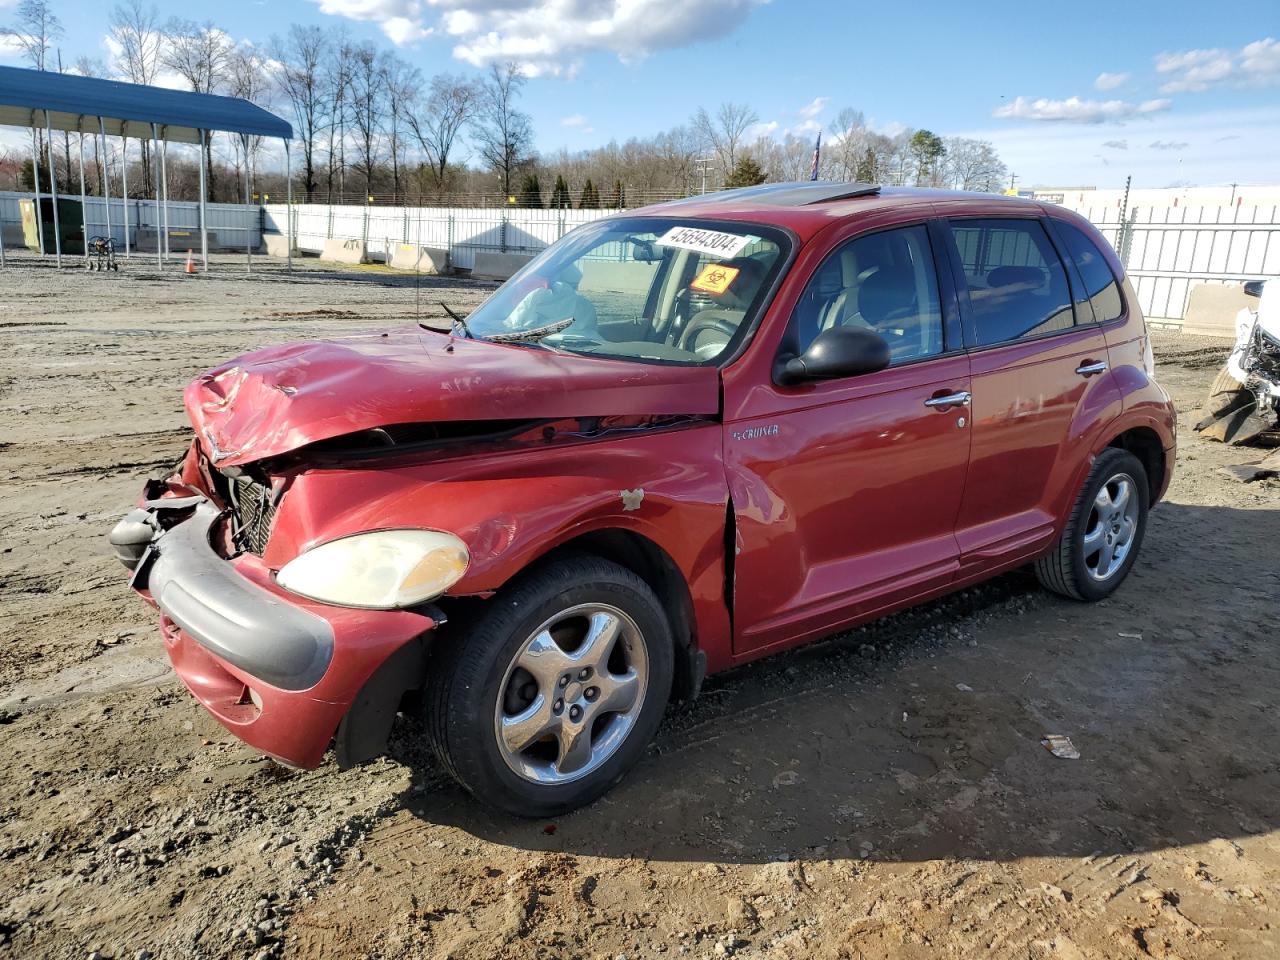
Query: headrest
x=888, y=291
x=1031, y=277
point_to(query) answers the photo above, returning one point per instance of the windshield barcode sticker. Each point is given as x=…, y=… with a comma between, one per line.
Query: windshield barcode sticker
x=713, y=242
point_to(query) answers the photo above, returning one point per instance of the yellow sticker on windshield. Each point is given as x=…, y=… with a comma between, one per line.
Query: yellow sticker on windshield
x=715, y=278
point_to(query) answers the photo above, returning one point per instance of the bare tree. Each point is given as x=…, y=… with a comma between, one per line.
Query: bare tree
x=335, y=88
x=367, y=91
x=436, y=128
x=724, y=133
x=249, y=78
x=847, y=144
x=35, y=31
x=973, y=165
x=135, y=30
x=302, y=56
x=199, y=53
x=504, y=133
x=402, y=85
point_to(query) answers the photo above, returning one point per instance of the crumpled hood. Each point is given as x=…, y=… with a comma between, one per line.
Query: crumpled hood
x=281, y=398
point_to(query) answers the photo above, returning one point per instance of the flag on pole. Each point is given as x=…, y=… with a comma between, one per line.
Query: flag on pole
x=817, y=152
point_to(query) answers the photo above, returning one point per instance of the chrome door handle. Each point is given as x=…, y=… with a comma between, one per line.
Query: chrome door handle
x=1089, y=369
x=960, y=399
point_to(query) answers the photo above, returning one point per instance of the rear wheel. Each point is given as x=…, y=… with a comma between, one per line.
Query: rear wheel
x=1101, y=539
x=552, y=695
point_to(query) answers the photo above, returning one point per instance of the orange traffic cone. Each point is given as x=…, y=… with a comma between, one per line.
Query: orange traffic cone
x=191, y=264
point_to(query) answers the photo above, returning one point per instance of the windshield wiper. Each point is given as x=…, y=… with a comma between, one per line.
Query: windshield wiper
x=533, y=335
x=457, y=321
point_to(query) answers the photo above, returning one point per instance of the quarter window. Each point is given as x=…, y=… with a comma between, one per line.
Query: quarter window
x=1101, y=292
x=883, y=282
x=1017, y=284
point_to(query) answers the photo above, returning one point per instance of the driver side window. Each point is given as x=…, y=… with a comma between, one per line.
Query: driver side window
x=883, y=282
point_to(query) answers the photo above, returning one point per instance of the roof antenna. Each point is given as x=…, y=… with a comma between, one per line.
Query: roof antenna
x=417, y=259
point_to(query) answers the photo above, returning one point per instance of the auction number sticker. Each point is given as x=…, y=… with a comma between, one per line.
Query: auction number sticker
x=713, y=242
x=715, y=278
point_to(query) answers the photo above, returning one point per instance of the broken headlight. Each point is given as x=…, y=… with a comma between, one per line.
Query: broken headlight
x=381, y=570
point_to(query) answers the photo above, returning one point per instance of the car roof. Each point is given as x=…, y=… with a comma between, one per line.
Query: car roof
x=805, y=207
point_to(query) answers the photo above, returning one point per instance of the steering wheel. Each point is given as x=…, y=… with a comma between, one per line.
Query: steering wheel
x=702, y=322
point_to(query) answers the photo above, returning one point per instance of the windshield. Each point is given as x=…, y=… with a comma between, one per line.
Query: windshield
x=669, y=289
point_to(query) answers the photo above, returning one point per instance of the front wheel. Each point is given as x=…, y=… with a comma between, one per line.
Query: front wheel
x=1101, y=539
x=551, y=696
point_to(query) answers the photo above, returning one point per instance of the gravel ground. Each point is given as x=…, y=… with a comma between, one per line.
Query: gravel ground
x=883, y=793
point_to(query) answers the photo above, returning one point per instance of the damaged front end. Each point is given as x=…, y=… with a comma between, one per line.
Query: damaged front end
x=278, y=670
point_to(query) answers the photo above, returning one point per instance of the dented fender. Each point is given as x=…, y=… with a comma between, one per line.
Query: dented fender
x=665, y=485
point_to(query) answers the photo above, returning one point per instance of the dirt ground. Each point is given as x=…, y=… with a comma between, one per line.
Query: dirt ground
x=882, y=794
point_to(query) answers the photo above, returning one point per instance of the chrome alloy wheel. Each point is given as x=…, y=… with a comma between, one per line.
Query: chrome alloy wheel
x=1113, y=522
x=572, y=694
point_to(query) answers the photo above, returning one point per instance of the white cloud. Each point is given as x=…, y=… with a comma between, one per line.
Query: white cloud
x=1069, y=154
x=805, y=128
x=403, y=30
x=550, y=36
x=10, y=49
x=1254, y=64
x=1110, y=81
x=577, y=121
x=814, y=107
x=1076, y=110
x=757, y=131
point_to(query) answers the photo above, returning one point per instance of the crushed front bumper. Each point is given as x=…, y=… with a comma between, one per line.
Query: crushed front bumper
x=278, y=671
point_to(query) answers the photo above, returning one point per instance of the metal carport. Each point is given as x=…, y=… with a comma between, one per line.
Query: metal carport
x=63, y=101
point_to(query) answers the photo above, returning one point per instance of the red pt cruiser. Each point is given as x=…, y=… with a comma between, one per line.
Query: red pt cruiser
x=679, y=439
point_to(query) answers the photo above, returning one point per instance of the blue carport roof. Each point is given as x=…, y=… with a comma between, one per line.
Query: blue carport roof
x=127, y=109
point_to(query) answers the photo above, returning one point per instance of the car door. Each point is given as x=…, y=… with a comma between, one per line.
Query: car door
x=845, y=492
x=1039, y=380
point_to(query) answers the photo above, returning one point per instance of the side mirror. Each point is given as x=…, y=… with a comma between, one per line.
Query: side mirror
x=1253, y=288
x=837, y=352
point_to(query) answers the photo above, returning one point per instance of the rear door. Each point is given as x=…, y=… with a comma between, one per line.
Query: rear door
x=1039, y=382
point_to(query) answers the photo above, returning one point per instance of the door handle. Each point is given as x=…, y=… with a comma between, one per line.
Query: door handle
x=960, y=399
x=1089, y=369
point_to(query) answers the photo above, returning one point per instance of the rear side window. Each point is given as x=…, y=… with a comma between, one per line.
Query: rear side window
x=1101, y=292
x=1017, y=285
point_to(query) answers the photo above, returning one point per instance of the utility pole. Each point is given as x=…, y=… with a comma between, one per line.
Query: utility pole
x=703, y=162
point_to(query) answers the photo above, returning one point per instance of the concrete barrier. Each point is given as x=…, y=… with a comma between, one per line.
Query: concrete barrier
x=345, y=251
x=409, y=256
x=498, y=266
x=147, y=239
x=620, y=277
x=277, y=245
x=1212, y=308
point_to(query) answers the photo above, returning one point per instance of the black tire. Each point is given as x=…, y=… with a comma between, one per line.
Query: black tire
x=1063, y=569
x=467, y=678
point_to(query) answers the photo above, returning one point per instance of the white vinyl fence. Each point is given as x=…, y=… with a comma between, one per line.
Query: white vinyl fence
x=1169, y=250
x=233, y=223
x=462, y=231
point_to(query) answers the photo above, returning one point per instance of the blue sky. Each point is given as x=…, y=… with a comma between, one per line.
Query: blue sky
x=1172, y=92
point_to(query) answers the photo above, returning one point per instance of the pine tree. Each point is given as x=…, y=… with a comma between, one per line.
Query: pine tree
x=746, y=174
x=530, y=192
x=619, y=198
x=866, y=169
x=560, y=194
x=590, y=198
